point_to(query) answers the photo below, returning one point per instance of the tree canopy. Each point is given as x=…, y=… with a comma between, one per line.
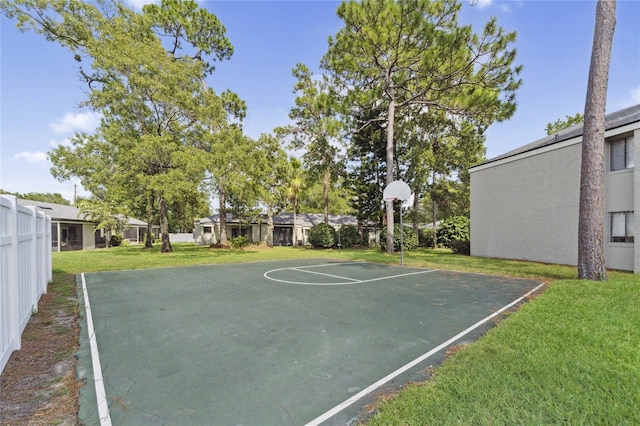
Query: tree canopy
x=413, y=54
x=560, y=124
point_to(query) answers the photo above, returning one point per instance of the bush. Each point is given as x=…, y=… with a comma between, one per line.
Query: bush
x=115, y=240
x=322, y=235
x=455, y=228
x=349, y=236
x=409, y=241
x=239, y=242
x=461, y=247
x=425, y=237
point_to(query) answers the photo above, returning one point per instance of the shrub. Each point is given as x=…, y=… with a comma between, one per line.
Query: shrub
x=455, y=228
x=115, y=240
x=425, y=237
x=409, y=240
x=349, y=236
x=461, y=247
x=239, y=242
x=322, y=235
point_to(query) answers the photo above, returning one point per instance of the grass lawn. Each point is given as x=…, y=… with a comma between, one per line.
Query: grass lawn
x=570, y=356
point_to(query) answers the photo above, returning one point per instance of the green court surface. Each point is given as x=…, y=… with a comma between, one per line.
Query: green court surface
x=271, y=343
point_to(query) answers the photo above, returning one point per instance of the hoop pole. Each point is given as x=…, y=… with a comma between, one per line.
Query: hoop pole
x=401, y=238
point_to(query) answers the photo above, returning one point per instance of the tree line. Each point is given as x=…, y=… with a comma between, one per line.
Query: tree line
x=404, y=91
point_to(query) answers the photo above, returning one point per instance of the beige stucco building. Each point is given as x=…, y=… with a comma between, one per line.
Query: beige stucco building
x=524, y=204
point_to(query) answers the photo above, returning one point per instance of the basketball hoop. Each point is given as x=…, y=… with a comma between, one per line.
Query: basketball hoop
x=398, y=190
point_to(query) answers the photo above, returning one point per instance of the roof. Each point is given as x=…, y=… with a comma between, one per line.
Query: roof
x=303, y=219
x=612, y=121
x=56, y=211
x=61, y=212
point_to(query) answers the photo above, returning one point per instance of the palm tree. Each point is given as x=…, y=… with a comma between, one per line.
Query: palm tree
x=293, y=191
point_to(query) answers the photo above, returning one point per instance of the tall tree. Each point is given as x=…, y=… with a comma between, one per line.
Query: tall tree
x=414, y=52
x=366, y=160
x=591, y=263
x=316, y=128
x=230, y=163
x=293, y=191
x=272, y=167
x=145, y=76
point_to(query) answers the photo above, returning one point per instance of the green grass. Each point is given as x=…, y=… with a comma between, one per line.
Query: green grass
x=133, y=257
x=570, y=356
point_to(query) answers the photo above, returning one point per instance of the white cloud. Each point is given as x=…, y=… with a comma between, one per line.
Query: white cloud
x=31, y=157
x=481, y=3
x=64, y=142
x=137, y=4
x=634, y=95
x=83, y=121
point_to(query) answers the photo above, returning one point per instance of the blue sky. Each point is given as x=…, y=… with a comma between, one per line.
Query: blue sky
x=41, y=91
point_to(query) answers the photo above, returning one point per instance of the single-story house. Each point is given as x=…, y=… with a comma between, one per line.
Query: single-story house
x=207, y=230
x=136, y=231
x=72, y=231
x=524, y=204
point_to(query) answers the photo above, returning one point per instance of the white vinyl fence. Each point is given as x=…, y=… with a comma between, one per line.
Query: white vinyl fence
x=181, y=238
x=25, y=269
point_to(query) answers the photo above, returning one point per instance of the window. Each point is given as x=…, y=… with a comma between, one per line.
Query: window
x=621, y=154
x=622, y=227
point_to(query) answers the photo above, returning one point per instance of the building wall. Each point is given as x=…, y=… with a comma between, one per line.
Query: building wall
x=619, y=196
x=527, y=208
x=636, y=202
x=88, y=236
x=622, y=189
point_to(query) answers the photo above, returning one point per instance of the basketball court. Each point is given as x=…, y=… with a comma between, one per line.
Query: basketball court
x=286, y=343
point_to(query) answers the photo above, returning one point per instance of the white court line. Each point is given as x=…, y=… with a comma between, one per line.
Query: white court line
x=326, y=275
x=335, y=410
x=389, y=277
x=101, y=395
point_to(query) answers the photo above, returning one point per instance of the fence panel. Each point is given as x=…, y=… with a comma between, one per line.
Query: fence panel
x=25, y=269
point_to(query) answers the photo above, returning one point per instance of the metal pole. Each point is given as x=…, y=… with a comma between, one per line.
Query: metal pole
x=401, y=237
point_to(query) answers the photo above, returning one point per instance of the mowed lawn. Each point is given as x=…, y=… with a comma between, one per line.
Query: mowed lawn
x=569, y=356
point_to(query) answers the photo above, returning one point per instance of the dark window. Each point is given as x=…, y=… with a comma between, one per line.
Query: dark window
x=622, y=227
x=70, y=237
x=621, y=154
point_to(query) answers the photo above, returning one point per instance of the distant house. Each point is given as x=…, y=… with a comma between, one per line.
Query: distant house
x=524, y=204
x=137, y=229
x=207, y=230
x=72, y=231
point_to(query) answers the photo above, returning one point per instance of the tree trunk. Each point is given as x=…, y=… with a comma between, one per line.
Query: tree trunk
x=295, y=223
x=164, y=225
x=591, y=263
x=326, y=181
x=434, y=210
x=223, y=216
x=416, y=210
x=269, y=226
x=148, y=240
x=391, y=118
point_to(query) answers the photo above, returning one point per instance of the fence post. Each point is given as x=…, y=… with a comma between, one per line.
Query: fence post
x=48, y=248
x=33, y=280
x=14, y=295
